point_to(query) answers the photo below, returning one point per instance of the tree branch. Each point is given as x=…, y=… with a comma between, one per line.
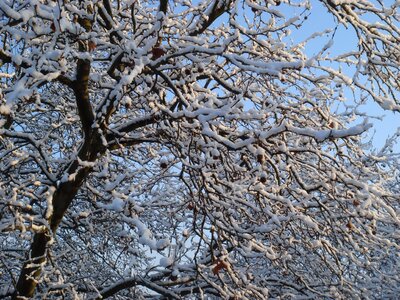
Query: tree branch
x=63, y=196
x=217, y=10
x=135, y=124
x=31, y=269
x=80, y=87
x=6, y=58
x=138, y=280
x=71, y=181
x=164, y=6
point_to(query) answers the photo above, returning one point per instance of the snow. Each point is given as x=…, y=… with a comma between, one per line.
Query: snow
x=9, y=11
x=321, y=135
x=49, y=198
x=308, y=221
x=117, y=205
x=5, y=109
x=26, y=14
x=20, y=91
x=146, y=236
x=6, y=75
x=86, y=164
x=166, y=261
x=262, y=168
x=17, y=59
x=162, y=244
x=109, y=186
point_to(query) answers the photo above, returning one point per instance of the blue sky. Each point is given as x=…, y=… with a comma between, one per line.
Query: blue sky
x=344, y=41
x=386, y=123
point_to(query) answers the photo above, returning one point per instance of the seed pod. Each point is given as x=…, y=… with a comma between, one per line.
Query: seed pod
x=215, y=154
x=91, y=46
x=163, y=163
x=157, y=52
x=219, y=266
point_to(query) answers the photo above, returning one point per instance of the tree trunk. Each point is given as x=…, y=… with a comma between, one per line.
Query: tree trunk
x=32, y=267
x=62, y=199
x=66, y=191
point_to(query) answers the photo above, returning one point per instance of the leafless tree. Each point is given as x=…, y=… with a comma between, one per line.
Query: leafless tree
x=192, y=150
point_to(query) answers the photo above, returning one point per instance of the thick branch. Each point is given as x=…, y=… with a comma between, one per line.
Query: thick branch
x=80, y=87
x=164, y=6
x=116, y=64
x=63, y=196
x=32, y=268
x=6, y=58
x=135, y=124
x=105, y=14
x=217, y=10
x=137, y=280
x=65, y=191
x=119, y=286
x=107, y=6
x=156, y=283
x=13, y=15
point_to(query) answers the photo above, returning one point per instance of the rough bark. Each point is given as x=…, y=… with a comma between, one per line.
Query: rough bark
x=32, y=267
x=65, y=191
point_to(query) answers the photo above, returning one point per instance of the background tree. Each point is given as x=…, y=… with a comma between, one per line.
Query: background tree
x=182, y=150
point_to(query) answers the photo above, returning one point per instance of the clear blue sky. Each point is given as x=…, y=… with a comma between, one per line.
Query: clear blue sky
x=345, y=40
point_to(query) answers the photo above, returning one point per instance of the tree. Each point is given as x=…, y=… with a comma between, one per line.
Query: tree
x=191, y=149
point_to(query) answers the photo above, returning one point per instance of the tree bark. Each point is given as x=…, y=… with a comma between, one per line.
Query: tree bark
x=62, y=198
x=66, y=191
x=32, y=267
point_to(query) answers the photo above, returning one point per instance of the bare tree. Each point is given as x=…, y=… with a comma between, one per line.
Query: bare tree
x=191, y=149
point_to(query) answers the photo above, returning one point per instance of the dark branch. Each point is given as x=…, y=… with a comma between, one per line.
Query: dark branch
x=28, y=278
x=106, y=16
x=137, y=280
x=164, y=6
x=107, y=6
x=218, y=9
x=80, y=87
x=135, y=124
x=6, y=58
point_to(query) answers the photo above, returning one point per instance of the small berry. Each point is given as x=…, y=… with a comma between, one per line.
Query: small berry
x=157, y=52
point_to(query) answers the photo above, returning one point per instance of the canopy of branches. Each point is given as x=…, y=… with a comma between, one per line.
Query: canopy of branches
x=197, y=149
